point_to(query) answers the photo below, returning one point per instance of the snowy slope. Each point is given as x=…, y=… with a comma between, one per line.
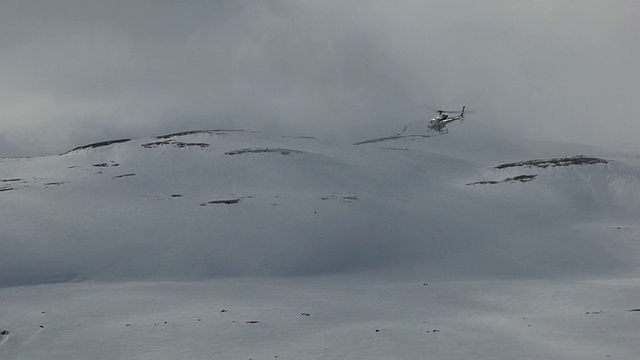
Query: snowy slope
x=278, y=226
x=159, y=208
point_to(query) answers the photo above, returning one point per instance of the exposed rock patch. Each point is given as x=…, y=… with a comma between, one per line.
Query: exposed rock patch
x=519, y=178
x=177, y=144
x=123, y=175
x=346, y=198
x=264, y=150
x=194, y=132
x=299, y=137
x=540, y=163
x=55, y=183
x=106, y=164
x=225, y=202
x=99, y=144
x=576, y=160
x=183, y=145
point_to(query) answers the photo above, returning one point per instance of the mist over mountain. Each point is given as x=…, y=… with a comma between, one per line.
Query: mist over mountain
x=206, y=204
x=78, y=72
x=253, y=180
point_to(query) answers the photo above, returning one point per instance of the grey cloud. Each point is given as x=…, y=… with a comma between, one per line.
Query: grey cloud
x=324, y=68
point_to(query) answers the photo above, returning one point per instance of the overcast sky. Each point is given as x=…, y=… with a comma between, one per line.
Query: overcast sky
x=74, y=72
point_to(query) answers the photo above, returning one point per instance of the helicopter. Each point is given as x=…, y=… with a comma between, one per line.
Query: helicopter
x=439, y=123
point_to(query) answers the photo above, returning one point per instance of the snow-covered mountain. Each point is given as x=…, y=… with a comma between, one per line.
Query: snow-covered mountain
x=299, y=220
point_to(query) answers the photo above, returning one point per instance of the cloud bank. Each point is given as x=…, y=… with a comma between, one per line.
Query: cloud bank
x=75, y=72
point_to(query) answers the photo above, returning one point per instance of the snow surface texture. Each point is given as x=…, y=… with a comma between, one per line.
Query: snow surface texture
x=236, y=245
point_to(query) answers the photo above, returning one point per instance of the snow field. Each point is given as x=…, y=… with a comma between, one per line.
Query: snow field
x=240, y=245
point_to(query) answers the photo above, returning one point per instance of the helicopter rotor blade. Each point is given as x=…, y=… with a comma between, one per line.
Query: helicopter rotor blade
x=434, y=109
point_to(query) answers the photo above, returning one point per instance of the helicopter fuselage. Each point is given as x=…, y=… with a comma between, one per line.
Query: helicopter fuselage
x=440, y=122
